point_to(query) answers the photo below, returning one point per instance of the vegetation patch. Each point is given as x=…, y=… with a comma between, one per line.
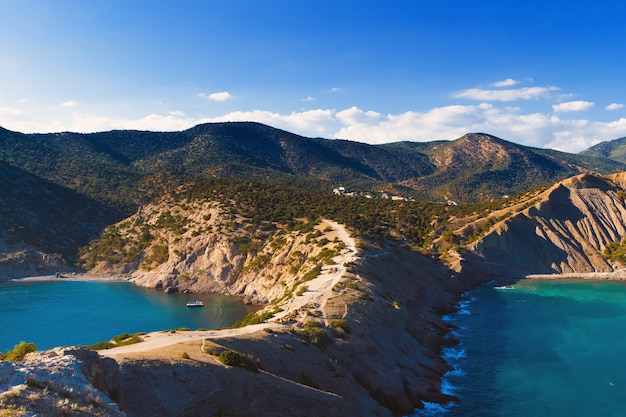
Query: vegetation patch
x=616, y=251
x=119, y=340
x=255, y=318
x=19, y=351
x=243, y=360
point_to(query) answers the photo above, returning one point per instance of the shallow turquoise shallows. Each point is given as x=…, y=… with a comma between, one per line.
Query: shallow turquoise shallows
x=541, y=348
x=61, y=313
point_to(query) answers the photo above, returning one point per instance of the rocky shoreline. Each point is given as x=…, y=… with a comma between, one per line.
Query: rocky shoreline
x=385, y=361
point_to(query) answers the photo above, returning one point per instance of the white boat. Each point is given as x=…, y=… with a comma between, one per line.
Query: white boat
x=505, y=287
x=195, y=304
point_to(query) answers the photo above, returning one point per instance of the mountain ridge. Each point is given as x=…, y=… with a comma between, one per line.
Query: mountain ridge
x=440, y=170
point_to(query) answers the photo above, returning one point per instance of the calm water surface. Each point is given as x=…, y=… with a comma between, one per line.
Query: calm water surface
x=542, y=348
x=61, y=313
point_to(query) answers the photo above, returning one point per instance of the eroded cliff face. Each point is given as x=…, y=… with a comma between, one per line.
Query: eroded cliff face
x=202, y=247
x=565, y=229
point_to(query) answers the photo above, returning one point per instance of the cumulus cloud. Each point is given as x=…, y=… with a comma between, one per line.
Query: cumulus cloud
x=505, y=83
x=221, y=96
x=318, y=122
x=9, y=111
x=309, y=98
x=69, y=103
x=154, y=122
x=614, y=106
x=510, y=94
x=571, y=106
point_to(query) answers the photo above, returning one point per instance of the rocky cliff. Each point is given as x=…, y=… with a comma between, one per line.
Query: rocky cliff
x=564, y=229
x=200, y=246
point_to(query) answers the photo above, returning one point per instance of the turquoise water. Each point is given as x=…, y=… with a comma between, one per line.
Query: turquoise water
x=542, y=348
x=61, y=313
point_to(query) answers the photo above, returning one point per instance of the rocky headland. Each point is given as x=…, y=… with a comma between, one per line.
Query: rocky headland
x=348, y=326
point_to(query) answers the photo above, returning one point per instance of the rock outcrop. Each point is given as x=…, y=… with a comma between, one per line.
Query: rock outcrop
x=565, y=229
x=62, y=381
x=200, y=247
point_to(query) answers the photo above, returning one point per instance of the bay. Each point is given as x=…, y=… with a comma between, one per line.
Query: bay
x=541, y=348
x=62, y=313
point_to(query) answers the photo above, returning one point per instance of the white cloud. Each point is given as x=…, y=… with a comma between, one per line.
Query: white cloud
x=9, y=111
x=309, y=98
x=511, y=94
x=505, y=83
x=335, y=90
x=69, y=103
x=177, y=113
x=571, y=106
x=614, y=106
x=154, y=122
x=317, y=122
x=221, y=96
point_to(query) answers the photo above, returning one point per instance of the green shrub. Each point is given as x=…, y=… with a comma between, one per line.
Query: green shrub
x=302, y=289
x=127, y=339
x=616, y=251
x=19, y=351
x=254, y=318
x=234, y=358
x=313, y=332
x=313, y=273
x=100, y=346
x=340, y=324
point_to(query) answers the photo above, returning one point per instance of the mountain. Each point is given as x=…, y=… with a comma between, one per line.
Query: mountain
x=613, y=149
x=43, y=224
x=130, y=168
x=477, y=167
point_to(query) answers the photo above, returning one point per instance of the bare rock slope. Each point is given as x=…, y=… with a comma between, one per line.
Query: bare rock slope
x=564, y=229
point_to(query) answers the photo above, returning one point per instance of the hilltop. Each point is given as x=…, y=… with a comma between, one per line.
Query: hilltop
x=613, y=149
x=130, y=168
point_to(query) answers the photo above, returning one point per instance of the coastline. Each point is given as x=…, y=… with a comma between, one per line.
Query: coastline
x=73, y=276
x=618, y=275
x=408, y=375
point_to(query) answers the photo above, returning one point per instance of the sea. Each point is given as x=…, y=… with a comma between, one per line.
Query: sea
x=65, y=312
x=552, y=348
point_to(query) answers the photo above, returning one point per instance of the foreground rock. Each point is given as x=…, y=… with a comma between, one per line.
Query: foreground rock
x=61, y=382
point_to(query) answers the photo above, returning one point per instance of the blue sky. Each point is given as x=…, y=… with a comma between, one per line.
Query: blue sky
x=540, y=73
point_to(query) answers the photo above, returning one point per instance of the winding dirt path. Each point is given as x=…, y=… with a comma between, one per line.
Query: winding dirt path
x=320, y=289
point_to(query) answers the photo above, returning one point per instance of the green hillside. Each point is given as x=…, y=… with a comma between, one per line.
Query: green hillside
x=130, y=168
x=614, y=150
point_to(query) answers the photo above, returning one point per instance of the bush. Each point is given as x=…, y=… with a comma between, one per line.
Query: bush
x=313, y=332
x=254, y=318
x=341, y=324
x=19, y=351
x=234, y=358
x=100, y=346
